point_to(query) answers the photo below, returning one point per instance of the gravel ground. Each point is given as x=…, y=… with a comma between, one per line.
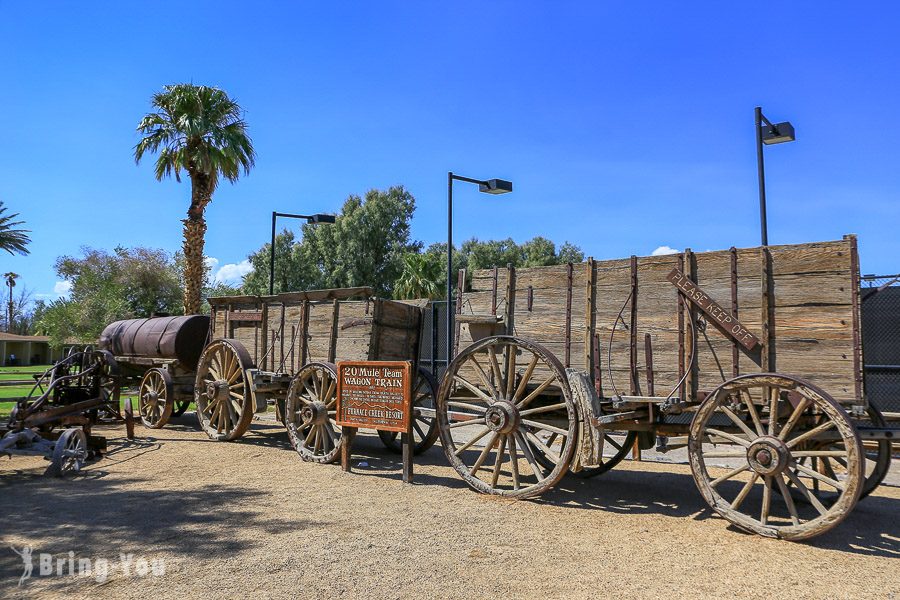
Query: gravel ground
x=250, y=518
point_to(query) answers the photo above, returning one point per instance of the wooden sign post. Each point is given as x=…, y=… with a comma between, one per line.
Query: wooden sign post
x=375, y=395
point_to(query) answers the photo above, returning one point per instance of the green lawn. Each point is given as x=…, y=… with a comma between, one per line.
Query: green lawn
x=14, y=373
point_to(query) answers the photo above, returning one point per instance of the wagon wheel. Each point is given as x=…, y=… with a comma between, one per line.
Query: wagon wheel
x=222, y=391
x=181, y=407
x=425, y=430
x=608, y=462
x=496, y=398
x=69, y=453
x=762, y=424
x=876, y=466
x=108, y=382
x=155, y=398
x=310, y=409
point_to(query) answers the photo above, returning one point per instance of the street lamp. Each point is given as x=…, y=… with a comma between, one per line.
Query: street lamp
x=311, y=219
x=487, y=186
x=768, y=134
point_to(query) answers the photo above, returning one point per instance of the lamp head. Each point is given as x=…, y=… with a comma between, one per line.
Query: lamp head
x=321, y=218
x=495, y=186
x=778, y=133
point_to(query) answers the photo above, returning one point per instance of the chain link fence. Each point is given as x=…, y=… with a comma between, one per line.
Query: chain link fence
x=880, y=309
x=433, y=346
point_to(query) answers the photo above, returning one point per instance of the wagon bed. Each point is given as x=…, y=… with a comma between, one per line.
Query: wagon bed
x=749, y=358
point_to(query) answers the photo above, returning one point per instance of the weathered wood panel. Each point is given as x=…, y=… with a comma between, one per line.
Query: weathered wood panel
x=293, y=329
x=811, y=332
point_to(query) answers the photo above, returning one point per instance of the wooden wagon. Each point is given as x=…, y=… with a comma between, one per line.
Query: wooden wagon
x=282, y=349
x=748, y=358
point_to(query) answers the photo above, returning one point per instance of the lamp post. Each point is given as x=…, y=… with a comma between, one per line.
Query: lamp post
x=311, y=219
x=767, y=134
x=487, y=186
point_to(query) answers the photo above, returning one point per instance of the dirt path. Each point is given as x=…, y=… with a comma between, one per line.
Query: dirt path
x=250, y=519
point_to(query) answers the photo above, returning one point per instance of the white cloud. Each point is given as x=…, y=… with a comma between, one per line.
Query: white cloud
x=232, y=273
x=212, y=263
x=662, y=250
x=62, y=288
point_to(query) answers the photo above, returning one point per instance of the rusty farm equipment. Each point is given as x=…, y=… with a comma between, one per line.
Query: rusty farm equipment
x=56, y=418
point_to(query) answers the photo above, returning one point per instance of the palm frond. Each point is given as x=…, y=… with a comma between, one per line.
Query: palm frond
x=11, y=239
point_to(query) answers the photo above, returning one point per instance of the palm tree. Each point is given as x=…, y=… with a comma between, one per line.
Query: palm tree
x=198, y=129
x=10, y=283
x=421, y=278
x=12, y=240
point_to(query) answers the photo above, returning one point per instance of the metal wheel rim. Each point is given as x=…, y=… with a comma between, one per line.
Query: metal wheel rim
x=224, y=363
x=314, y=390
x=154, y=399
x=497, y=400
x=748, y=432
x=70, y=452
x=609, y=462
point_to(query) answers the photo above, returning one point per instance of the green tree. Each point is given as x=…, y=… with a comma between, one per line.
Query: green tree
x=200, y=130
x=106, y=287
x=422, y=277
x=569, y=253
x=364, y=247
x=11, y=239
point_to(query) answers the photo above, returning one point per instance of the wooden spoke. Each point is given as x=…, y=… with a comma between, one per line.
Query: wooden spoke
x=479, y=370
x=473, y=388
x=475, y=421
x=724, y=454
x=537, y=392
x=514, y=461
x=542, y=409
x=529, y=457
x=811, y=433
x=829, y=453
x=499, y=460
x=526, y=377
x=510, y=376
x=819, y=476
x=773, y=408
x=788, y=499
x=478, y=409
x=806, y=493
x=767, y=500
x=729, y=475
x=495, y=368
x=728, y=436
x=545, y=449
x=795, y=416
x=739, y=422
x=544, y=426
x=484, y=453
x=744, y=491
x=472, y=441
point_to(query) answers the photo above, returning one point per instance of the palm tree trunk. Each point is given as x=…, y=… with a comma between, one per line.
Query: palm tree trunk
x=194, y=241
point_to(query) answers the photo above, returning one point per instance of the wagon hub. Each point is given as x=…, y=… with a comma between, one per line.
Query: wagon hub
x=502, y=417
x=315, y=413
x=768, y=455
x=217, y=390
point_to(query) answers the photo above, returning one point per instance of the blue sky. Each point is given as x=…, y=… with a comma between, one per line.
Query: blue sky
x=625, y=126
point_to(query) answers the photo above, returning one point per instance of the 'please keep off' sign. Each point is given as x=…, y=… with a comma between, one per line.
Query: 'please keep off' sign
x=374, y=394
x=718, y=315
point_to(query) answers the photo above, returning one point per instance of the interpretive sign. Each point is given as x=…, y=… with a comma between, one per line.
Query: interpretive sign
x=374, y=394
x=718, y=315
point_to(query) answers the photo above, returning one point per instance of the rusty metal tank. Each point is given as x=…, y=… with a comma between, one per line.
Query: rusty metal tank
x=182, y=338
